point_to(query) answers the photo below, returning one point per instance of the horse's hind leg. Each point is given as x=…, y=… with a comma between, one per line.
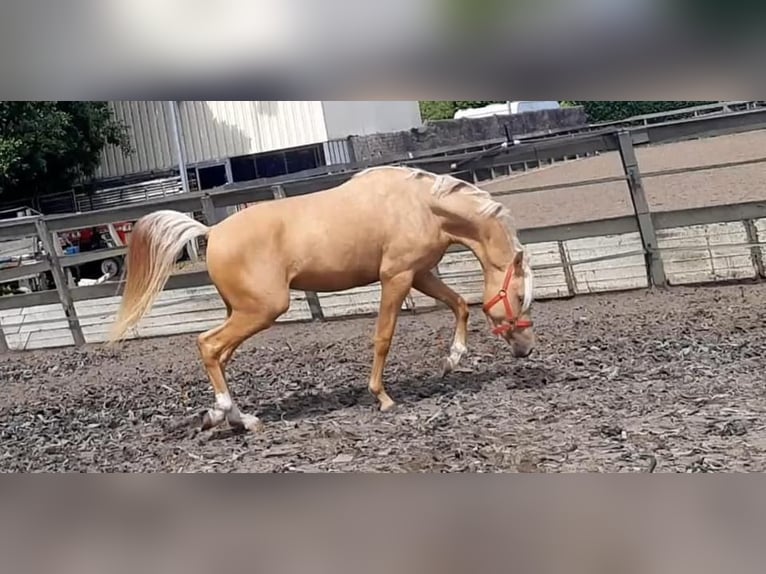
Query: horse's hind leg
x=432, y=286
x=216, y=348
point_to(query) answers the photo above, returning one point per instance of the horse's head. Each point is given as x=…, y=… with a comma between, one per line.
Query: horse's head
x=507, y=303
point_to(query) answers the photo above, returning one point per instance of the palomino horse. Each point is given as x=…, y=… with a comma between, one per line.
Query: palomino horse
x=387, y=224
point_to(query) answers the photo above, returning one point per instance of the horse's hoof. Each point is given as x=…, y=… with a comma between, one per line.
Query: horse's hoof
x=207, y=422
x=252, y=423
x=387, y=406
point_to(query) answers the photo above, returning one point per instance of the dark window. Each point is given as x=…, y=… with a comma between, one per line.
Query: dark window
x=212, y=176
x=301, y=159
x=271, y=165
x=242, y=168
x=266, y=165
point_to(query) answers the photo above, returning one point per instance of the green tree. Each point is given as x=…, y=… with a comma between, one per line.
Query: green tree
x=49, y=146
x=620, y=110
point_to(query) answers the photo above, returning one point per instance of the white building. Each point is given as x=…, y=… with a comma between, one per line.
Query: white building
x=229, y=141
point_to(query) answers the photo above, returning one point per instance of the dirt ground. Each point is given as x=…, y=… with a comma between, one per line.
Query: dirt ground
x=664, y=381
x=664, y=193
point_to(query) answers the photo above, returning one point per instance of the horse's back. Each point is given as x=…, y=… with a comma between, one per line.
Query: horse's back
x=339, y=237
x=378, y=201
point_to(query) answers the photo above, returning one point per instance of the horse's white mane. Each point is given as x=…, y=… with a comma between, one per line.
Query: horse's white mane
x=447, y=184
x=486, y=207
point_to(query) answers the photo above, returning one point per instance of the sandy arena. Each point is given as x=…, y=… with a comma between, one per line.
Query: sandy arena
x=640, y=381
x=664, y=193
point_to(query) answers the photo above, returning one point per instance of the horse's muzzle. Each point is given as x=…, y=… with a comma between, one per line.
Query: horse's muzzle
x=522, y=352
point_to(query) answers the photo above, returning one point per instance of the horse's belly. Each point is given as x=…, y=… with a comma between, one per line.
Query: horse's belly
x=333, y=268
x=334, y=277
x=329, y=281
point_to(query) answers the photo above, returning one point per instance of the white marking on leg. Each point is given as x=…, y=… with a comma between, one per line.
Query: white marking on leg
x=223, y=402
x=457, y=351
x=215, y=417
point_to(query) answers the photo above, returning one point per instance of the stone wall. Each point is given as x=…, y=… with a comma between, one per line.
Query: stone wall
x=444, y=133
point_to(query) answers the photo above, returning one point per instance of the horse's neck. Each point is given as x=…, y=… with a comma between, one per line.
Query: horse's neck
x=490, y=242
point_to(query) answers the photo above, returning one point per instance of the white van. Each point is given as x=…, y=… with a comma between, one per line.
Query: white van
x=506, y=109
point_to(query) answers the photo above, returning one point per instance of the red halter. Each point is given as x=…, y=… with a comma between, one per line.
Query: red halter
x=511, y=322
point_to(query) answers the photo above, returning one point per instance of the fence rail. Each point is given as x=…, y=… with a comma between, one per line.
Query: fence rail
x=643, y=221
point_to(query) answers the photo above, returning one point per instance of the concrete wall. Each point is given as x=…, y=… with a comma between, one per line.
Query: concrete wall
x=444, y=133
x=691, y=254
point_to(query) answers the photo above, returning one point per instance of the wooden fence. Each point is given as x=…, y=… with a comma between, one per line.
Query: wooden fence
x=643, y=221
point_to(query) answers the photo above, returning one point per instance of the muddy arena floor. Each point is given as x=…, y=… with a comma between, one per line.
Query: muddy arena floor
x=667, y=381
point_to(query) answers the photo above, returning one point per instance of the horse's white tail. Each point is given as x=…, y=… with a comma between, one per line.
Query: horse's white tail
x=155, y=242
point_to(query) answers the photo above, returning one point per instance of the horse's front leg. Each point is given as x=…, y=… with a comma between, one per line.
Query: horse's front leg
x=430, y=285
x=393, y=291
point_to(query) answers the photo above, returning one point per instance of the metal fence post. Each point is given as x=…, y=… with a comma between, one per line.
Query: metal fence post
x=46, y=238
x=566, y=265
x=208, y=209
x=655, y=268
x=311, y=297
x=4, y=348
x=756, y=255
x=60, y=253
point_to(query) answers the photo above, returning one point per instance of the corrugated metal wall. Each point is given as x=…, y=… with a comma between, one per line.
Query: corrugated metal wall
x=217, y=130
x=338, y=151
x=212, y=130
x=149, y=125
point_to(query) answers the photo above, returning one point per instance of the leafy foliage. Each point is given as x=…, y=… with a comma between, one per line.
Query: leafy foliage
x=49, y=146
x=620, y=110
